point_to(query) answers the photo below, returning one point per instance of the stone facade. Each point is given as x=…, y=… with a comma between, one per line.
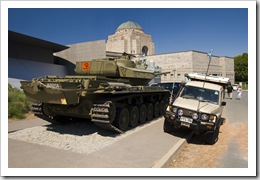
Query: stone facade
x=85, y=51
x=179, y=63
x=130, y=38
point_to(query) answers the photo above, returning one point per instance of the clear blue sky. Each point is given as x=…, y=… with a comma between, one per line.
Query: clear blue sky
x=175, y=29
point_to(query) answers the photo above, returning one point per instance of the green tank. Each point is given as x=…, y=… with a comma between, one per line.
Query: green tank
x=111, y=92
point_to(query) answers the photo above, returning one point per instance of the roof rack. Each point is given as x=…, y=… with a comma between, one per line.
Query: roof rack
x=209, y=78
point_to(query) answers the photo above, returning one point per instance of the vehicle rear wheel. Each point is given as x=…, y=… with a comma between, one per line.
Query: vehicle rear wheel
x=156, y=111
x=162, y=108
x=122, y=119
x=212, y=137
x=149, y=111
x=134, y=116
x=167, y=127
x=143, y=113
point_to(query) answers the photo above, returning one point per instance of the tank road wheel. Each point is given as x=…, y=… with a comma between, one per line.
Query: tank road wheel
x=122, y=119
x=162, y=108
x=149, y=112
x=143, y=113
x=134, y=116
x=156, y=111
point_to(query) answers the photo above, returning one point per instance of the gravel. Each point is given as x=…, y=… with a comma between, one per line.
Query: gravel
x=79, y=137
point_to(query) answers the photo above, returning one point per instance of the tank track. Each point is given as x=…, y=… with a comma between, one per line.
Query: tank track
x=103, y=114
x=37, y=108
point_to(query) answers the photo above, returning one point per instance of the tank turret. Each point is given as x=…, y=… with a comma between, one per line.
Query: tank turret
x=135, y=72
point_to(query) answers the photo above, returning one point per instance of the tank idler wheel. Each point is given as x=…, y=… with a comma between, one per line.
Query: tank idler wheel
x=142, y=113
x=156, y=110
x=134, y=116
x=162, y=108
x=122, y=119
x=149, y=112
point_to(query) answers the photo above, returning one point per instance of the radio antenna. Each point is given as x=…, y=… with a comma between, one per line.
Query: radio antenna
x=209, y=56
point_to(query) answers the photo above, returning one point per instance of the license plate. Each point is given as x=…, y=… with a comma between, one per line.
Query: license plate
x=185, y=124
x=185, y=119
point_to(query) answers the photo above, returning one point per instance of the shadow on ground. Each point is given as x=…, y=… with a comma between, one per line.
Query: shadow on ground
x=80, y=128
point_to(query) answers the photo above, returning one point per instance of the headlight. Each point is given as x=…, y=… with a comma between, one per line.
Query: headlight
x=169, y=108
x=204, y=117
x=174, y=110
x=212, y=118
x=180, y=112
x=195, y=116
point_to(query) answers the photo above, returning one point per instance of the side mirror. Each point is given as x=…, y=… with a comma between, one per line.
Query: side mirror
x=223, y=103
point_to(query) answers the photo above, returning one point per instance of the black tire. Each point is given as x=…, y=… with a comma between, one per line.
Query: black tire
x=149, y=112
x=134, y=116
x=156, y=109
x=212, y=137
x=122, y=119
x=162, y=108
x=142, y=113
x=167, y=127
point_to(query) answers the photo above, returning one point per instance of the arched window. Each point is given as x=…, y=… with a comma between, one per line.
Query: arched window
x=144, y=50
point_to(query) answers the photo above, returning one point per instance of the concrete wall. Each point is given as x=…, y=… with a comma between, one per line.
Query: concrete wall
x=85, y=51
x=32, y=53
x=26, y=70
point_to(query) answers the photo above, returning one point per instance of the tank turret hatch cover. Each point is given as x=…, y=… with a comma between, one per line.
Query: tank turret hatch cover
x=129, y=25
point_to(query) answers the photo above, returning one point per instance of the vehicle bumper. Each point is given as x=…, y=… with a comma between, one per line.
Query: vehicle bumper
x=197, y=126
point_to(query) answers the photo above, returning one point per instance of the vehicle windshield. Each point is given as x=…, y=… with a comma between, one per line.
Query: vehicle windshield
x=201, y=94
x=169, y=86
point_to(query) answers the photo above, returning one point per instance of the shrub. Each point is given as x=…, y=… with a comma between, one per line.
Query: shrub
x=18, y=105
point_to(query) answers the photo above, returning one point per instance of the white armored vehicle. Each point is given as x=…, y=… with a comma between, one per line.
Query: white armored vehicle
x=198, y=106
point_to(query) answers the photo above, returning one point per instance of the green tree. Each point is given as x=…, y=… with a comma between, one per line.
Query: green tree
x=241, y=67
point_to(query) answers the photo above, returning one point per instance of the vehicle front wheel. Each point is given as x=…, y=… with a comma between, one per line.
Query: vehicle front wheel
x=212, y=137
x=167, y=127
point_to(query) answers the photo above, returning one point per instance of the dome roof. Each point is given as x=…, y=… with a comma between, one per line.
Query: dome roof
x=129, y=25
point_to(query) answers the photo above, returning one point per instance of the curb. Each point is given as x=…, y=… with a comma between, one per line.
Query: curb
x=165, y=161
